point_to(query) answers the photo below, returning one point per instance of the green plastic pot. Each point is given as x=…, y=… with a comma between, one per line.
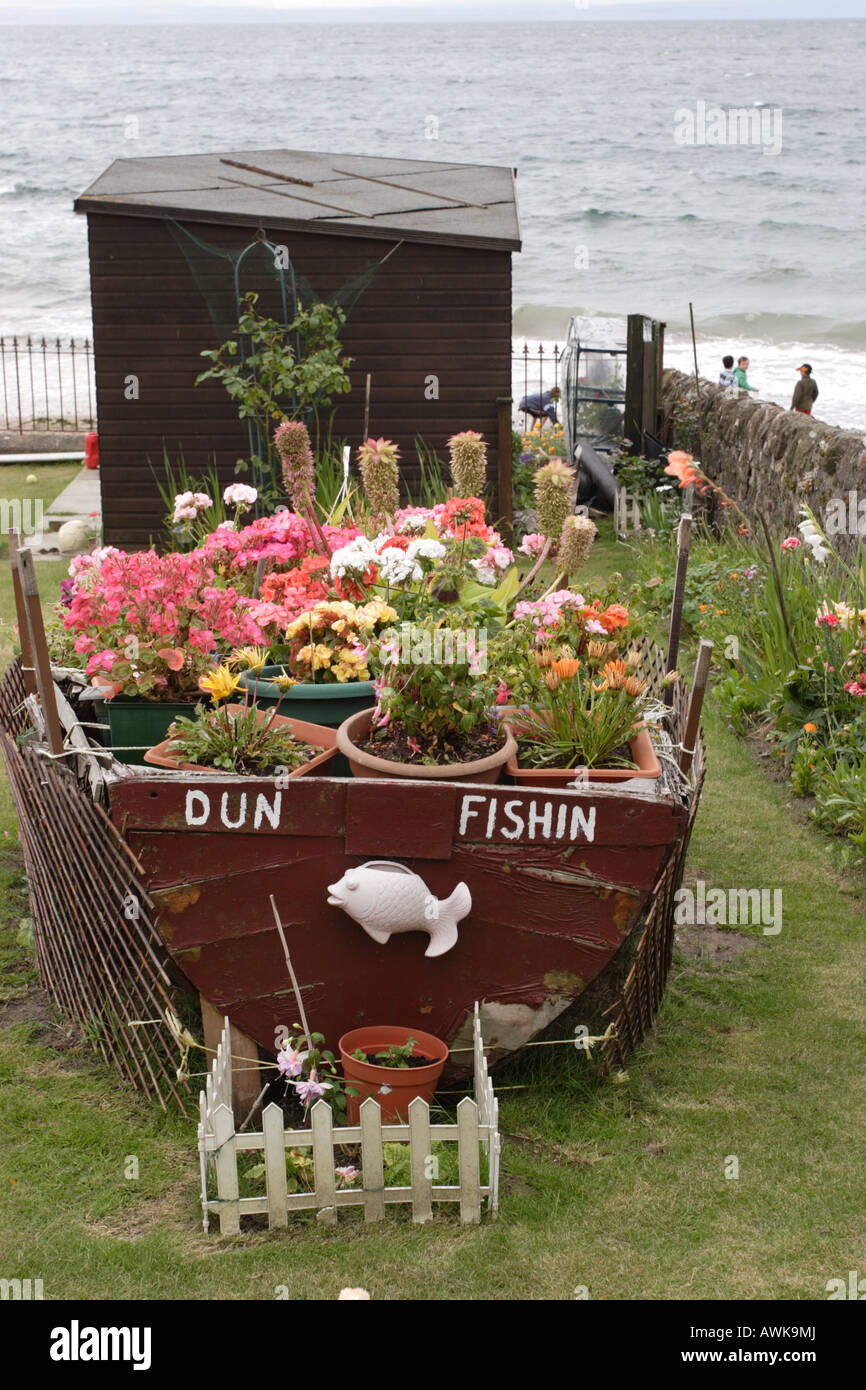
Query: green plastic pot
x=317, y=704
x=137, y=725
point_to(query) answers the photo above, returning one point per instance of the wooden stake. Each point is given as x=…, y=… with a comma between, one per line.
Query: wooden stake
x=505, y=484
x=39, y=648
x=367, y=406
x=697, y=386
x=28, y=672
x=684, y=533
x=292, y=976
x=696, y=700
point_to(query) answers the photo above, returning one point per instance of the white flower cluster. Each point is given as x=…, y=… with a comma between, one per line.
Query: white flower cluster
x=187, y=505
x=354, y=558
x=240, y=495
x=814, y=539
x=395, y=565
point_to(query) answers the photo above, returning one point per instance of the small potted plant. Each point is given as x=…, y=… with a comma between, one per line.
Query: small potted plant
x=148, y=627
x=393, y=1065
x=242, y=738
x=432, y=716
x=583, y=720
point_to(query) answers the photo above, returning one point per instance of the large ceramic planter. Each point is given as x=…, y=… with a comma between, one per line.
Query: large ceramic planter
x=318, y=704
x=356, y=730
x=316, y=735
x=136, y=725
x=642, y=753
x=393, y=1087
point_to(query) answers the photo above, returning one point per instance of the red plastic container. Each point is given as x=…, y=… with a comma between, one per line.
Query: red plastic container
x=91, y=450
x=403, y=1083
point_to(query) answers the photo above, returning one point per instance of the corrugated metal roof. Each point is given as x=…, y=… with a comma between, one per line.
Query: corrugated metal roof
x=337, y=194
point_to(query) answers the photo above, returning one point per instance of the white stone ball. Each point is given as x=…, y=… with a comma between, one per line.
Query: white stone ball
x=73, y=535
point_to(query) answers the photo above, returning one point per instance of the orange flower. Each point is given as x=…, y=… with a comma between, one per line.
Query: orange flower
x=634, y=687
x=615, y=674
x=567, y=667
x=811, y=728
x=680, y=466
x=613, y=617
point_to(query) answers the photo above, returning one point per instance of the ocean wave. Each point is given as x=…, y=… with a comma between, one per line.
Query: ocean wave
x=550, y=321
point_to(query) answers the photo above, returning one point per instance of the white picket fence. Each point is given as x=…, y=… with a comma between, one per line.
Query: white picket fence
x=219, y=1143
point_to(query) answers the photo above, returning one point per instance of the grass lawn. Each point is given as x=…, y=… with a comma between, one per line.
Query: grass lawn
x=618, y=1186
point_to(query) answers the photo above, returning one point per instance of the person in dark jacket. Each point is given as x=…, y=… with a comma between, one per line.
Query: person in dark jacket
x=805, y=392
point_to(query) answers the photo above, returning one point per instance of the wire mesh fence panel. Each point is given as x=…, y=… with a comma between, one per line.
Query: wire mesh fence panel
x=100, y=956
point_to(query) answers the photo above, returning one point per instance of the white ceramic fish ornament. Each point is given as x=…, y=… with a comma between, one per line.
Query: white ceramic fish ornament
x=385, y=897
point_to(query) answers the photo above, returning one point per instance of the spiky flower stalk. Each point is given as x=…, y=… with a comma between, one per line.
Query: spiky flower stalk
x=553, y=497
x=378, y=462
x=292, y=442
x=578, y=534
x=468, y=463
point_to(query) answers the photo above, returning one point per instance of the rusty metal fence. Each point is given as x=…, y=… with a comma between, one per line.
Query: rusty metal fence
x=46, y=385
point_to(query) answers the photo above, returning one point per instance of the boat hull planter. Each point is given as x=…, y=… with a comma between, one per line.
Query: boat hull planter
x=484, y=770
x=317, y=704
x=316, y=735
x=141, y=723
x=401, y=1084
x=642, y=753
x=557, y=880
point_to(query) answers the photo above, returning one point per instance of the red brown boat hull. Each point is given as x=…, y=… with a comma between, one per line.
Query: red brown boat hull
x=558, y=880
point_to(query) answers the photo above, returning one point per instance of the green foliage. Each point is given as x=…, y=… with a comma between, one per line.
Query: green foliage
x=292, y=369
x=394, y=1055
x=433, y=484
x=244, y=740
x=175, y=479
x=576, y=724
x=441, y=694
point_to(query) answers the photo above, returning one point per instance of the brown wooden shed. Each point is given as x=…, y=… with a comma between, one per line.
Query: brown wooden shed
x=417, y=253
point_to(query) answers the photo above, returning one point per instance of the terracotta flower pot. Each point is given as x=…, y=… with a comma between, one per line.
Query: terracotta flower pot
x=642, y=753
x=402, y=1084
x=316, y=735
x=356, y=730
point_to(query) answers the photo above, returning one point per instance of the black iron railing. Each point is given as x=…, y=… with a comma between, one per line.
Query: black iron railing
x=46, y=384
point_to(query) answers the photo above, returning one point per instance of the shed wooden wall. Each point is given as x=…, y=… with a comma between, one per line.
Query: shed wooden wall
x=430, y=310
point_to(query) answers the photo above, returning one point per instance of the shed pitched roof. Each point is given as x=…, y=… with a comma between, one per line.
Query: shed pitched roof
x=337, y=194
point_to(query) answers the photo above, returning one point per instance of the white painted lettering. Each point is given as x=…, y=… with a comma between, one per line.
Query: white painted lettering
x=271, y=812
x=543, y=818
x=197, y=808
x=224, y=812
x=516, y=821
x=467, y=810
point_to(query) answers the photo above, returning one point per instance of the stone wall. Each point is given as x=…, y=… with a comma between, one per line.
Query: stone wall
x=768, y=459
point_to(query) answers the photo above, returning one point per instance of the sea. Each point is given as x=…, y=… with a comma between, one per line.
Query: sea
x=641, y=189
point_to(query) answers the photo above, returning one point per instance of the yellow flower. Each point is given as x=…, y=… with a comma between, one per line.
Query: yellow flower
x=250, y=658
x=284, y=681
x=220, y=685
